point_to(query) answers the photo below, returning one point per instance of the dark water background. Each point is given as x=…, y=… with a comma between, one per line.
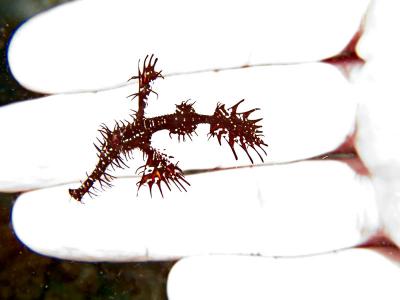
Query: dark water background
x=27, y=275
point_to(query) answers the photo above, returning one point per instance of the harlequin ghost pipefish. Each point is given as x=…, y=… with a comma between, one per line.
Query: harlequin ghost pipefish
x=118, y=143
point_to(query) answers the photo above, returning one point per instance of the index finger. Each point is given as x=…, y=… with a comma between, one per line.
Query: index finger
x=100, y=48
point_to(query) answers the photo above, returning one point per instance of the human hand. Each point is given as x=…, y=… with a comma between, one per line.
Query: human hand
x=245, y=211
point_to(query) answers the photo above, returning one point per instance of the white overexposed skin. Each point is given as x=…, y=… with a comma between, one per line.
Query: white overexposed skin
x=91, y=45
x=349, y=274
x=307, y=110
x=378, y=116
x=378, y=42
x=294, y=209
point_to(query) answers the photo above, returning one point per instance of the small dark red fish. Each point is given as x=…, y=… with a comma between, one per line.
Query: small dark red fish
x=118, y=143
